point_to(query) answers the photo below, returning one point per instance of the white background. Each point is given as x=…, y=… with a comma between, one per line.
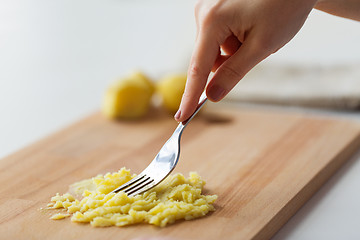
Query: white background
x=57, y=58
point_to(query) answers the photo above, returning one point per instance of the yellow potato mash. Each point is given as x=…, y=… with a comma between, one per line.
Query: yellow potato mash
x=175, y=198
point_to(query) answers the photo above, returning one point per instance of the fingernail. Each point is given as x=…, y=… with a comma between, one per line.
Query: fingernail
x=177, y=115
x=216, y=93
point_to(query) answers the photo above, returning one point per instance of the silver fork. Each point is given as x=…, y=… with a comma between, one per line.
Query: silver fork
x=164, y=162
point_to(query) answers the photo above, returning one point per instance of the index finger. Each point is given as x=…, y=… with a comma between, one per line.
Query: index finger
x=203, y=58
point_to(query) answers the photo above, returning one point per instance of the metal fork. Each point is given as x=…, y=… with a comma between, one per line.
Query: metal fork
x=164, y=162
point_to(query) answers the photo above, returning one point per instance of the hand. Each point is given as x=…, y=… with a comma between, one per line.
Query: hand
x=232, y=37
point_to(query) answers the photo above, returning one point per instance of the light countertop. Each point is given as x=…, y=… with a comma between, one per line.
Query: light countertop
x=57, y=58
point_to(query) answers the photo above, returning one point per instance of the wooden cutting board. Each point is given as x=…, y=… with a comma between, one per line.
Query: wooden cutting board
x=262, y=165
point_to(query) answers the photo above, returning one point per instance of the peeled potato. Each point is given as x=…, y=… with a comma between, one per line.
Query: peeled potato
x=139, y=76
x=171, y=89
x=129, y=97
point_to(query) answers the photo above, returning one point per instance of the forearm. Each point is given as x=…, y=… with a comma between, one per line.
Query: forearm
x=343, y=8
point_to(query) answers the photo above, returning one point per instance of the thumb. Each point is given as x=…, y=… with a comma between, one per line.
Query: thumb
x=234, y=68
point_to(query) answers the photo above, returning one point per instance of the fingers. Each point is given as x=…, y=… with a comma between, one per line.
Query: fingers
x=206, y=51
x=219, y=60
x=234, y=68
x=230, y=47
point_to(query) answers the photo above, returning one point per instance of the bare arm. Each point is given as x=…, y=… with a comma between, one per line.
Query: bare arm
x=342, y=8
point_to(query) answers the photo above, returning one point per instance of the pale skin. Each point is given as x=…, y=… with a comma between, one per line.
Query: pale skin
x=233, y=36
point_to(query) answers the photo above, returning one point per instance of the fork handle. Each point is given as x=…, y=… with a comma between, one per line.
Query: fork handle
x=202, y=101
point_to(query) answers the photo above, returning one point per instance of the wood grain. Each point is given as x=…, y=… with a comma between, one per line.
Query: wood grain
x=263, y=166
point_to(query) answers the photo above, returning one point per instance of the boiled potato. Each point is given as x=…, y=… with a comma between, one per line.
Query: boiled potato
x=171, y=88
x=129, y=97
x=139, y=76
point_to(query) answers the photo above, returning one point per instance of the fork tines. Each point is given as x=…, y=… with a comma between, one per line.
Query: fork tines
x=135, y=186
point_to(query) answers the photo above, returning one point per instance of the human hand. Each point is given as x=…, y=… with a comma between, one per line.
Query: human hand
x=246, y=31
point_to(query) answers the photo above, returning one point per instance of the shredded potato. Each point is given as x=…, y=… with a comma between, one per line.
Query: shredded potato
x=175, y=198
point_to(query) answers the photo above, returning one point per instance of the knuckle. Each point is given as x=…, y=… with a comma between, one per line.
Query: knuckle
x=231, y=72
x=187, y=96
x=208, y=14
x=195, y=72
x=264, y=45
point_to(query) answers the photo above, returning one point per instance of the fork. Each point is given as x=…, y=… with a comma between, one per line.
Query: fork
x=164, y=162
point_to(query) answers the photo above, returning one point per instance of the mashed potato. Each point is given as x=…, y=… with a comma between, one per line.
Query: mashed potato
x=175, y=198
